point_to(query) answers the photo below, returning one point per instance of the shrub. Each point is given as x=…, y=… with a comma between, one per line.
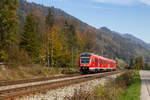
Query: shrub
x=112, y=90
x=126, y=78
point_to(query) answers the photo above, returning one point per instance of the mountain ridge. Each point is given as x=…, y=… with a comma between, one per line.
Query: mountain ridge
x=110, y=42
x=132, y=37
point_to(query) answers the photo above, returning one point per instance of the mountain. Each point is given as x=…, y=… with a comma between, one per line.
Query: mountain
x=60, y=15
x=111, y=43
x=137, y=40
x=129, y=36
x=126, y=44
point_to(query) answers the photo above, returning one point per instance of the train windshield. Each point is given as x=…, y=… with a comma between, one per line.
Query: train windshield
x=85, y=58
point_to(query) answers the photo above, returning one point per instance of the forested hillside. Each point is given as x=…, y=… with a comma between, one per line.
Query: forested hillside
x=138, y=41
x=51, y=37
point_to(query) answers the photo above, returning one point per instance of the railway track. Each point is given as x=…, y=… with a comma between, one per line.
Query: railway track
x=6, y=83
x=11, y=94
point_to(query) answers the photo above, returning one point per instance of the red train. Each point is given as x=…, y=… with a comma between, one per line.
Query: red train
x=89, y=62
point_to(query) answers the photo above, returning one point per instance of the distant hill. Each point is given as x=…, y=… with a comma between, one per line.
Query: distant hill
x=139, y=41
x=113, y=44
x=127, y=44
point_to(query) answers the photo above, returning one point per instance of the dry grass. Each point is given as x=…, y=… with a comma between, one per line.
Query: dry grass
x=112, y=90
x=32, y=71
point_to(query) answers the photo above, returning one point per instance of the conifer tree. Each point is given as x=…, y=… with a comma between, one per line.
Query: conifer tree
x=49, y=23
x=49, y=19
x=30, y=38
x=71, y=36
x=8, y=26
x=71, y=41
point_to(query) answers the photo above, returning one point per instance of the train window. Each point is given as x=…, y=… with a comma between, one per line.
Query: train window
x=96, y=60
x=102, y=61
x=86, y=55
x=93, y=59
x=85, y=60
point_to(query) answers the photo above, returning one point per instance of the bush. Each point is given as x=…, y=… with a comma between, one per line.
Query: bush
x=126, y=78
x=112, y=90
x=3, y=55
x=134, y=90
x=70, y=71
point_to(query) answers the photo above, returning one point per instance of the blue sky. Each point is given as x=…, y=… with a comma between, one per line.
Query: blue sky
x=124, y=16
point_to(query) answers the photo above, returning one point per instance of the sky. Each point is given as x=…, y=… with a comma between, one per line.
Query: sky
x=123, y=16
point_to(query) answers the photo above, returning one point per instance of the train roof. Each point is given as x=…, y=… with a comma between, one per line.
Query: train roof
x=107, y=59
x=87, y=53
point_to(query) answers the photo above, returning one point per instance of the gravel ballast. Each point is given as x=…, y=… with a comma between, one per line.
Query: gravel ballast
x=61, y=93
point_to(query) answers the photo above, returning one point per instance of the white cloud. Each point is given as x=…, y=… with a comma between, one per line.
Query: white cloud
x=125, y=2
x=115, y=1
x=147, y=2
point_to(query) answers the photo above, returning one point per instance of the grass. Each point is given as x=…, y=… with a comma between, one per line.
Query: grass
x=33, y=71
x=125, y=87
x=133, y=91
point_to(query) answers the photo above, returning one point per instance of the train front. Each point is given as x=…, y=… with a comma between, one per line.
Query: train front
x=84, y=62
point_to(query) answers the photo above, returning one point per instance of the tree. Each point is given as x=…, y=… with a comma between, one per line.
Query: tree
x=139, y=63
x=55, y=47
x=49, y=19
x=69, y=32
x=8, y=26
x=89, y=41
x=49, y=23
x=131, y=65
x=30, y=38
x=146, y=66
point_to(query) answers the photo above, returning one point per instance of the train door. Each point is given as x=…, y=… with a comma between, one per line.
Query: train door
x=99, y=62
x=96, y=62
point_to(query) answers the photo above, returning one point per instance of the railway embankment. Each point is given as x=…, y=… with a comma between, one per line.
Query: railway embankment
x=126, y=86
x=29, y=87
x=72, y=91
x=115, y=87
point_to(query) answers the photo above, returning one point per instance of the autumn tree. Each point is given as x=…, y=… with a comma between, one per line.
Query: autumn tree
x=49, y=24
x=139, y=63
x=56, y=47
x=89, y=41
x=30, y=38
x=8, y=27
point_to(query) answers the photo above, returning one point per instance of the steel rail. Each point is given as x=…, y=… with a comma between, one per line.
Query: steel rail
x=6, y=83
x=11, y=94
